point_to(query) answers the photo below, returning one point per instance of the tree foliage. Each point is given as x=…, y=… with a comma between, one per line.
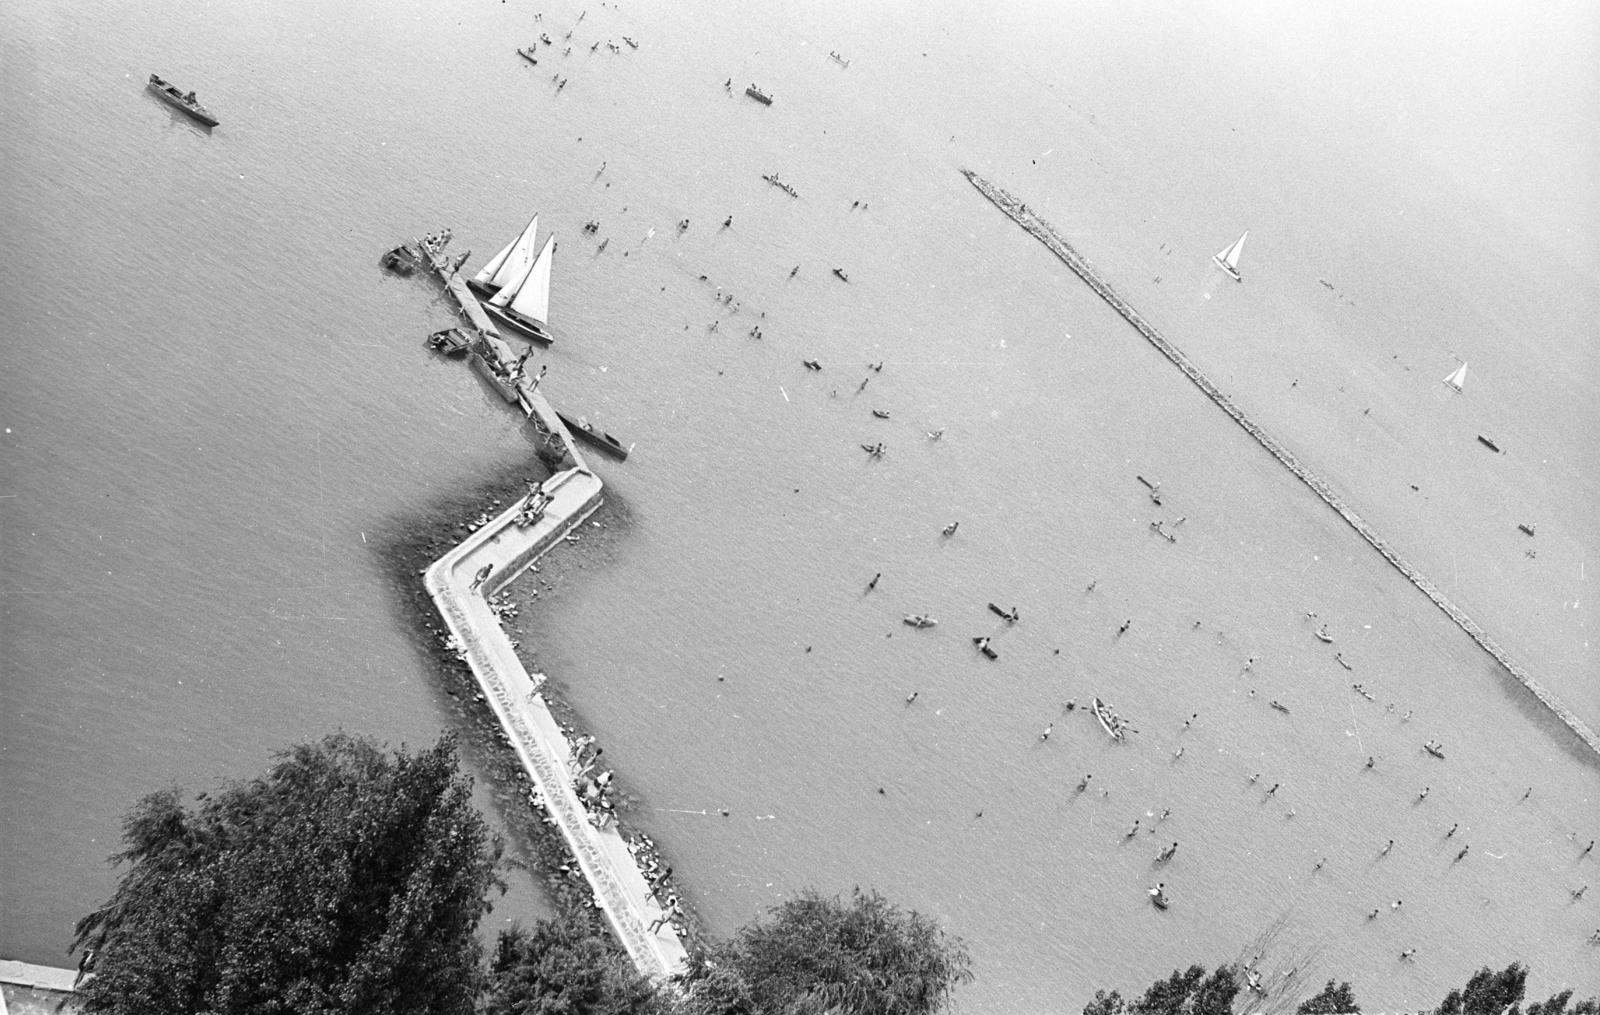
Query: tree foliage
x=346, y=880
x=561, y=969
x=867, y=956
x=1190, y=992
x=1488, y=992
x=1333, y=1000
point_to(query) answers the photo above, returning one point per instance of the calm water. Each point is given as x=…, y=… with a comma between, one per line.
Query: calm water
x=225, y=407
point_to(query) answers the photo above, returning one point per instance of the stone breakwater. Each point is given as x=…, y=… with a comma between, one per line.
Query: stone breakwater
x=461, y=584
x=1044, y=233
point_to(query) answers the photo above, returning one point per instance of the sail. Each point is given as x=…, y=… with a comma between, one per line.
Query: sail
x=515, y=267
x=483, y=277
x=509, y=291
x=1458, y=377
x=1229, y=256
x=533, y=299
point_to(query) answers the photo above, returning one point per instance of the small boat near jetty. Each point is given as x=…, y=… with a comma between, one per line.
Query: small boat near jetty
x=582, y=429
x=920, y=620
x=450, y=341
x=527, y=54
x=1228, y=257
x=758, y=95
x=402, y=260
x=169, y=93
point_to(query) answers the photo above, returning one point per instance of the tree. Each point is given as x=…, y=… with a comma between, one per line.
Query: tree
x=866, y=956
x=561, y=968
x=1556, y=1004
x=1488, y=992
x=1340, y=1000
x=345, y=880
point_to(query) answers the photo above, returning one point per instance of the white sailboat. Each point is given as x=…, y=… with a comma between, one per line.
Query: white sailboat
x=1228, y=258
x=526, y=306
x=508, y=265
x=1458, y=377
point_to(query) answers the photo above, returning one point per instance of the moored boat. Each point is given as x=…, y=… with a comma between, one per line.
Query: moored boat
x=584, y=430
x=525, y=303
x=758, y=95
x=450, y=341
x=169, y=93
x=402, y=260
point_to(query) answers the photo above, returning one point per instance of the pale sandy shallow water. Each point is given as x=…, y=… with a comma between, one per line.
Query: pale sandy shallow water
x=230, y=397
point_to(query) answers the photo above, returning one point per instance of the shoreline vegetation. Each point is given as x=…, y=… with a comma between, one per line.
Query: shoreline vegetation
x=1045, y=233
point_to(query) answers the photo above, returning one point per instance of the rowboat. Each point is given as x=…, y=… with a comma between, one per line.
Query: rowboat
x=169, y=93
x=527, y=54
x=1103, y=713
x=920, y=620
x=1491, y=445
x=755, y=93
x=582, y=429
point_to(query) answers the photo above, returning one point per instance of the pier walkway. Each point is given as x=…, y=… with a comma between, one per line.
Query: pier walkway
x=508, y=550
x=1042, y=231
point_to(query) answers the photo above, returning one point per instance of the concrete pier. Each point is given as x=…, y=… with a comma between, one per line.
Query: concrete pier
x=507, y=550
x=1041, y=230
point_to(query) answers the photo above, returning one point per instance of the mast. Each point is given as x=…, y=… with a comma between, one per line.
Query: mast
x=533, y=298
x=515, y=267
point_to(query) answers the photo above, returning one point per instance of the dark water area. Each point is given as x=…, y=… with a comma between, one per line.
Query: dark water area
x=220, y=417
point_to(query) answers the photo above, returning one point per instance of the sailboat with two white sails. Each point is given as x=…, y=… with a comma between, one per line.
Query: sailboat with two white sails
x=1457, y=378
x=510, y=264
x=524, y=303
x=1228, y=257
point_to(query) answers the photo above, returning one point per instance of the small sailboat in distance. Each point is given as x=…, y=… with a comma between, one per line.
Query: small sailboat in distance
x=1228, y=258
x=1458, y=377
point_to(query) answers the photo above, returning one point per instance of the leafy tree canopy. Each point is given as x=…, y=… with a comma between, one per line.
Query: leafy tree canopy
x=346, y=880
x=1488, y=992
x=562, y=969
x=864, y=956
x=1190, y=992
x=1334, y=1000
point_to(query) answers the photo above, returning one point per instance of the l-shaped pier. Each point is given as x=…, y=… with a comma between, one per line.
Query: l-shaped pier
x=506, y=549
